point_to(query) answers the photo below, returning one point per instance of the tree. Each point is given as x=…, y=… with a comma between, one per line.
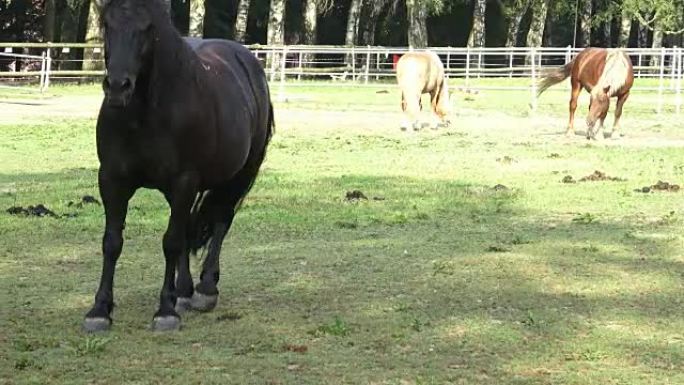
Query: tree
x=477, y=32
x=585, y=22
x=417, y=27
x=625, y=28
x=276, y=30
x=540, y=9
x=241, y=21
x=514, y=14
x=666, y=16
x=93, y=36
x=352, y=28
x=197, y=11
x=49, y=21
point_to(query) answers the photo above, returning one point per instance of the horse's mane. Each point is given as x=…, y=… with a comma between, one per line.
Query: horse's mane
x=614, y=74
x=172, y=56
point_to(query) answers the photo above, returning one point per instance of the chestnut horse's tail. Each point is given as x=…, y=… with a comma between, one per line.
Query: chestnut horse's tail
x=554, y=77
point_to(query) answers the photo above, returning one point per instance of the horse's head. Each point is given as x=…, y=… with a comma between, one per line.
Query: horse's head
x=598, y=106
x=128, y=37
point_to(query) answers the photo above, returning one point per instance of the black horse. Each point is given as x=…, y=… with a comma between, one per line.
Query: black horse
x=190, y=118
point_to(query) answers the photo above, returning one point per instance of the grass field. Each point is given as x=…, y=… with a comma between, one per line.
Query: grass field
x=437, y=278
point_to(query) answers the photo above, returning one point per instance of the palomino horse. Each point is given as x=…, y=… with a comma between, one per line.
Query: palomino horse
x=421, y=73
x=191, y=119
x=604, y=73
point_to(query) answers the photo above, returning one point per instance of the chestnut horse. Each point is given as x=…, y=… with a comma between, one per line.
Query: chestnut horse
x=604, y=73
x=421, y=73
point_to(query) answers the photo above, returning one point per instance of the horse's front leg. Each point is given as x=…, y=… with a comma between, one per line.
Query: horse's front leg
x=115, y=194
x=181, y=197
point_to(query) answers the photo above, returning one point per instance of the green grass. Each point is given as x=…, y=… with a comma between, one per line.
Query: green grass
x=436, y=278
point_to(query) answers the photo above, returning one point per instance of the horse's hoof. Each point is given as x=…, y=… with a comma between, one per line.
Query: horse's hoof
x=97, y=324
x=204, y=303
x=166, y=323
x=183, y=304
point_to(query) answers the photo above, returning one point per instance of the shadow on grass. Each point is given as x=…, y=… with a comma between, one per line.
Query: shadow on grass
x=433, y=280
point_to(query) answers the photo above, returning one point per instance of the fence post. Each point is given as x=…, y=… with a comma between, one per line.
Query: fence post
x=678, y=86
x=48, y=70
x=673, y=70
x=353, y=56
x=283, y=66
x=448, y=61
x=662, y=80
x=42, y=72
x=533, y=61
x=510, y=64
x=301, y=68
x=467, y=74
x=377, y=66
x=479, y=63
x=368, y=62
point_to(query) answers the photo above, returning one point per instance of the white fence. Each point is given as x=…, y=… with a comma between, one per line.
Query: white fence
x=292, y=66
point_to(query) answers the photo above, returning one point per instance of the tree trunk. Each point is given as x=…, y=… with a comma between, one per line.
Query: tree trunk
x=585, y=22
x=69, y=34
x=241, y=21
x=49, y=21
x=310, y=29
x=625, y=29
x=197, y=11
x=477, y=32
x=536, y=32
x=417, y=28
x=276, y=30
x=372, y=12
x=657, y=44
x=310, y=21
x=91, y=60
x=352, y=28
x=643, y=34
x=607, y=26
x=514, y=23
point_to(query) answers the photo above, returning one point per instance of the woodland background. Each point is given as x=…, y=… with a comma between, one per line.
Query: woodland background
x=417, y=23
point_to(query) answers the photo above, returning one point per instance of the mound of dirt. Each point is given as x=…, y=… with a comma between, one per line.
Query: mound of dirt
x=500, y=187
x=660, y=186
x=599, y=176
x=568, y=179
x=85, y=200
x=32, y=211
x=355, y=195
x=506, y=160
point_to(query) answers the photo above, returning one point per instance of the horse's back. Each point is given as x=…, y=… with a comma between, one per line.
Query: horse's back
x=420, y=71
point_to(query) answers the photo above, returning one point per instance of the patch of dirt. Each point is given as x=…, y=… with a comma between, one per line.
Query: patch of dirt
x=382, y=92
x=295, y=348
x=500, y=187
x=231, y=316
x=506, y=160
x=85, y=200
x=568, y=179
x=554, y=155
x=355, y=195
x=660, y=186
x=32, y=211
x=598, y=176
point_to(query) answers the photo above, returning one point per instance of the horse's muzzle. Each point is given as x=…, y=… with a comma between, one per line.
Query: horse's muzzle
x=118, y=90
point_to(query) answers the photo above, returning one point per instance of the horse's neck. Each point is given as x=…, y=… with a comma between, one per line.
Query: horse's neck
x=175, y=64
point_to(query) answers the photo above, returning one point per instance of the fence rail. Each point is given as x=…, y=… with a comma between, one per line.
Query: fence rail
x=25, y=63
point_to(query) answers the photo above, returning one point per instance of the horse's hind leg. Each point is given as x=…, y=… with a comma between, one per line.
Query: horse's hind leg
x=206, y=291
x=115, y=195
x=576, y=89
x=618, y=114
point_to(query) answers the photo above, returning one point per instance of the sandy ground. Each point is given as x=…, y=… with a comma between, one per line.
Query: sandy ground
x=666, y=131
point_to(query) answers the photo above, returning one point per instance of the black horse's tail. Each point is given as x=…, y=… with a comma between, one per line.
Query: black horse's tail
x=554, y=77
x=213, y=206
